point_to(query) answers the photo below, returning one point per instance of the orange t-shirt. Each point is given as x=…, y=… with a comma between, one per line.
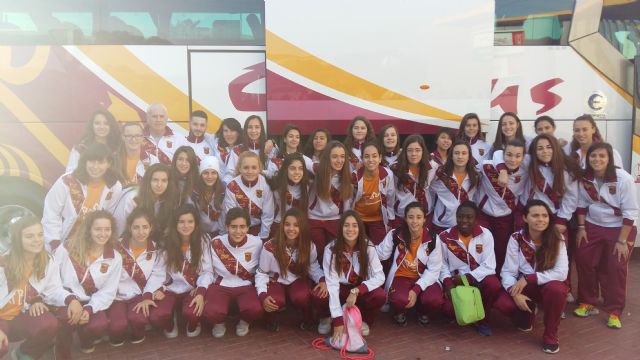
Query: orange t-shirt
x=466, y=240
x=132, y=163
x=460, y=178
x=184, y=247
x=414, y=171
x=409, y=266
x=14, y=306
x=137, y=251
x=92, y=201
x=369, y=205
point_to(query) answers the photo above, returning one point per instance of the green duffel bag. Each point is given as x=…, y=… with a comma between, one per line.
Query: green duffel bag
x=467, y=303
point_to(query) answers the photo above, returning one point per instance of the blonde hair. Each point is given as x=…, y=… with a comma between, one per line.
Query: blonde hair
x=15, y=266
x=80, y=244
x=247, y=155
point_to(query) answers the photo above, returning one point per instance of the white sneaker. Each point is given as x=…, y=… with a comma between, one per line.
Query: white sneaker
x=242, y=328
x=324, y=326
x=219, y=330
x=195, y=332
x=570, y=298
x=365, y=329
x=88, y=350
x=385, y=308
x=174, y=330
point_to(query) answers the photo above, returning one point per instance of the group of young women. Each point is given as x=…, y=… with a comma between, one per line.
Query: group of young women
x=371, y=223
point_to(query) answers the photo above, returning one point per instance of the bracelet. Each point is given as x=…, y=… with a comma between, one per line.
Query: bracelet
x=623, y=242
x=581, y=226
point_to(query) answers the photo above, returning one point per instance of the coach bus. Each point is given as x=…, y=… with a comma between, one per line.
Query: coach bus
x=420, y=64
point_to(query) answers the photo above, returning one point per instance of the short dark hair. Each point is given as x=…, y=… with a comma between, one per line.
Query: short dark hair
x=468, y=205
x=237, y=212
x=200, y=113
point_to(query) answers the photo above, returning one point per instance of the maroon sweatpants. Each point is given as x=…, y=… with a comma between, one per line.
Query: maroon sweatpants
x=429, y=301
x=96, y=328
x=490, y=288
x=594, y=258
x=218, y=298
x=122, y=316
x=298, y=294
x=501, y=227
x=322, y=232
x=375, y=230
x=37, y=331
x=551, y=296
x=178, y=302
x=369, y=303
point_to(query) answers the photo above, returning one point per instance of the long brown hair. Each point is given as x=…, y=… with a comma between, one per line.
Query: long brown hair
x=323, y=177
x=218, y=193
x=402, y=169
x=361, y=246
x=309, y=150
x=120, y=158
x=15, y=266
x=281, y=181
x=261, y=141
x=610, y=171
x=547, y=253
x=89, y=137
x=597, y=136
x=192, y=175
x=349, y=141
x=463, y=123
x=470, y=168
x=81, y=242
x=303, y=244
x=96, y=152
x=169, y=199
x=173, y=242
x=500, y=141
x=559, y=162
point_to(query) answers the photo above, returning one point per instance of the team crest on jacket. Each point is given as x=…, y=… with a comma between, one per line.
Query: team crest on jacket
x=479, y=248
x=104, y=267
x=109, y=195
x=247, y=256
x=169, y=144
x=401, y=246
x=481, y=152
x=206, y=150
x=259, y=195
x=612, y=189
x=517, y=179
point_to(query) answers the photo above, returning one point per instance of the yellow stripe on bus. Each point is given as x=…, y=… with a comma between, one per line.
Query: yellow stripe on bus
x=136, y=76
x=11, y=162
x=34, y=172
x=636, y=144
x=35, y=126
x=313, y=68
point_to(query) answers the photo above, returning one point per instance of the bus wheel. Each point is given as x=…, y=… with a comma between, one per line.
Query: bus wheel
x=17, y=199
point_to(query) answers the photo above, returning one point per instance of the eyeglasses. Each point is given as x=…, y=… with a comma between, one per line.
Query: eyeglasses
x=133, y=137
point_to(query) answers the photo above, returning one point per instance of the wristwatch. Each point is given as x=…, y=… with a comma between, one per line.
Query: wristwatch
x=355, y=291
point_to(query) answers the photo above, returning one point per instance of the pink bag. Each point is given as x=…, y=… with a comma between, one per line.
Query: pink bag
x=351, y=340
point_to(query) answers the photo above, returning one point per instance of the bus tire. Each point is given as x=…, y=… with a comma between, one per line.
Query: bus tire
x=18, y=198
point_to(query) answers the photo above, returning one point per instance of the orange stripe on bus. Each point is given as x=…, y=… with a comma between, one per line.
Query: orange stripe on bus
x=32, y=169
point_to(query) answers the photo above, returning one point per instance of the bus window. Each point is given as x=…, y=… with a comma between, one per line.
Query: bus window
x=540, y=22
x=620, y=25
x=217, y=28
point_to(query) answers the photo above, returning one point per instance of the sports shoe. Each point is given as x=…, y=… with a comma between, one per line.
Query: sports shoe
x=400, y=319
x=563, y=315
x=385, y=308
x=219, y=330
x=365, y=329
x=305, y=326
x=88, y=350
x=272, y=326
x=138, y=340
x=484, y=329
x=551, y=348
x=423, y=320
x=194, y=333
x=614, y=322
x=324, y=326
x=173, y=333
x=585, y=310
x=523, y=329
x=116, y=344
x=242, y=328
x=570, y=298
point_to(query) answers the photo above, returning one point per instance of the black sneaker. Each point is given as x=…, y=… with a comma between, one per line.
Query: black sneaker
x=423, y=320
x=272, y=326
x=551, y=348
x=400, y=319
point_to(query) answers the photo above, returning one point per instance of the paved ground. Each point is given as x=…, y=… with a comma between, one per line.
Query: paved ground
x=580, y=339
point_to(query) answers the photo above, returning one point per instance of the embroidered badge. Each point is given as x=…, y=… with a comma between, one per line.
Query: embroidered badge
x=149, y=255
x=401, y=246
x=481, y=152
x=169, y=144
x=104, y=267
x=517, y=179
x=259, y=194
x=384, y=183
x=479, y=248
x=247, y=256
x=206, y=150
x=612, y=189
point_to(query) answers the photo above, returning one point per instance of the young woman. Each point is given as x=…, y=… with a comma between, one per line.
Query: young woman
x=534, y=271
x=353, y=274
x=127, y=159
x=228, y=274
x=30, y=283
x=417, y=261
x=290, y=189
x=184, y=166
x=249, y=190
x=546, y=125
x=185, y=247
x=331, y=194
x=414, y=172
x=157, y=194
x=254, y=140
x=470, y=131
x=290, y=145
x=607, y=217
x=498, y=204
x=552, y=179
x=207, y=196
x=90, y=269
x=316, y=143
x=374, y=193
x=359, y=132
x=228, y=136
x=141, y=282
x=93, y=185
x=287, y=263
x=585, y=133
x=467, y=250
x=444, y=140
x=103, y=129
x=509, y=128
x=455, y=182
x=389, y=142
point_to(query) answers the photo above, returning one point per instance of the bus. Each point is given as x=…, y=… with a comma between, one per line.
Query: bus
x=419, y=64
